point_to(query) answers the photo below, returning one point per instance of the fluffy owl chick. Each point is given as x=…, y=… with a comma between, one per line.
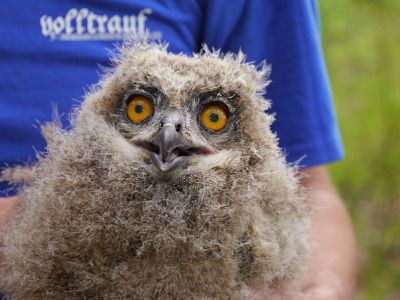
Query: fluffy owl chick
x=169, y=185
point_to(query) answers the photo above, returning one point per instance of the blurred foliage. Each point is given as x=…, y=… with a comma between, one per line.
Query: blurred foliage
x=361, y=40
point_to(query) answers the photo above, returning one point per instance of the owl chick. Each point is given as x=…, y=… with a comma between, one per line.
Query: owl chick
x=169, y=185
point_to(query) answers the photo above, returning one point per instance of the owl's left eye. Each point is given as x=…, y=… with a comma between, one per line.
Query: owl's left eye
x=214, y=117
x=139, y=109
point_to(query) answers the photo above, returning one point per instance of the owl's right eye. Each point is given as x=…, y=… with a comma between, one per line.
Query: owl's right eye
x=139, y=109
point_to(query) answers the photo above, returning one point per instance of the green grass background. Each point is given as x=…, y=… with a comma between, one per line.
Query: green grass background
x=361, y=40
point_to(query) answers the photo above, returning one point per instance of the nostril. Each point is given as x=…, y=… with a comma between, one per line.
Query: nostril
x=178, y=127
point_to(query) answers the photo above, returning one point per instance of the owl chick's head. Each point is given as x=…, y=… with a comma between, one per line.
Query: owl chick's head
x=181, y=114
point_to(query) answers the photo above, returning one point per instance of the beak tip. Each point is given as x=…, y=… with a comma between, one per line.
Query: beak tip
x=165, y=167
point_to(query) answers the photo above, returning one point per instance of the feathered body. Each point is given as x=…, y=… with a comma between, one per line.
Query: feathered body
x=100, y=222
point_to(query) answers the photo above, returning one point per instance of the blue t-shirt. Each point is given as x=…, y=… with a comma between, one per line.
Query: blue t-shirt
x=50, y=52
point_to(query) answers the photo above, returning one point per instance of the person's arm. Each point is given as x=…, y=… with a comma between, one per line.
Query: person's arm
x=332, y=264
x=333, y=258
x=7, y=210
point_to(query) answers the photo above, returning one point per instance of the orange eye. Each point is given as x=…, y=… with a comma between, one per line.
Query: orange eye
x=139, y=109
x=214, y=117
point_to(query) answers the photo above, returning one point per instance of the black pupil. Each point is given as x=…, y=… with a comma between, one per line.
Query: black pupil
x=214, y=117
x=139, y=108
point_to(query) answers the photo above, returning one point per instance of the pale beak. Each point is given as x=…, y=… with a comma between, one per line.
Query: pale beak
x=169, y=150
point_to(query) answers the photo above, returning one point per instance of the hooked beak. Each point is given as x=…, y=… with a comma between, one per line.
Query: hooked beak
x=169, y=150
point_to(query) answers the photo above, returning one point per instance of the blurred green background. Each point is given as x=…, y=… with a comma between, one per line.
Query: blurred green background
x=361, y=40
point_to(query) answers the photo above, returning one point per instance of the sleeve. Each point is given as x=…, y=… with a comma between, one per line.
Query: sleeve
x=285, y=34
